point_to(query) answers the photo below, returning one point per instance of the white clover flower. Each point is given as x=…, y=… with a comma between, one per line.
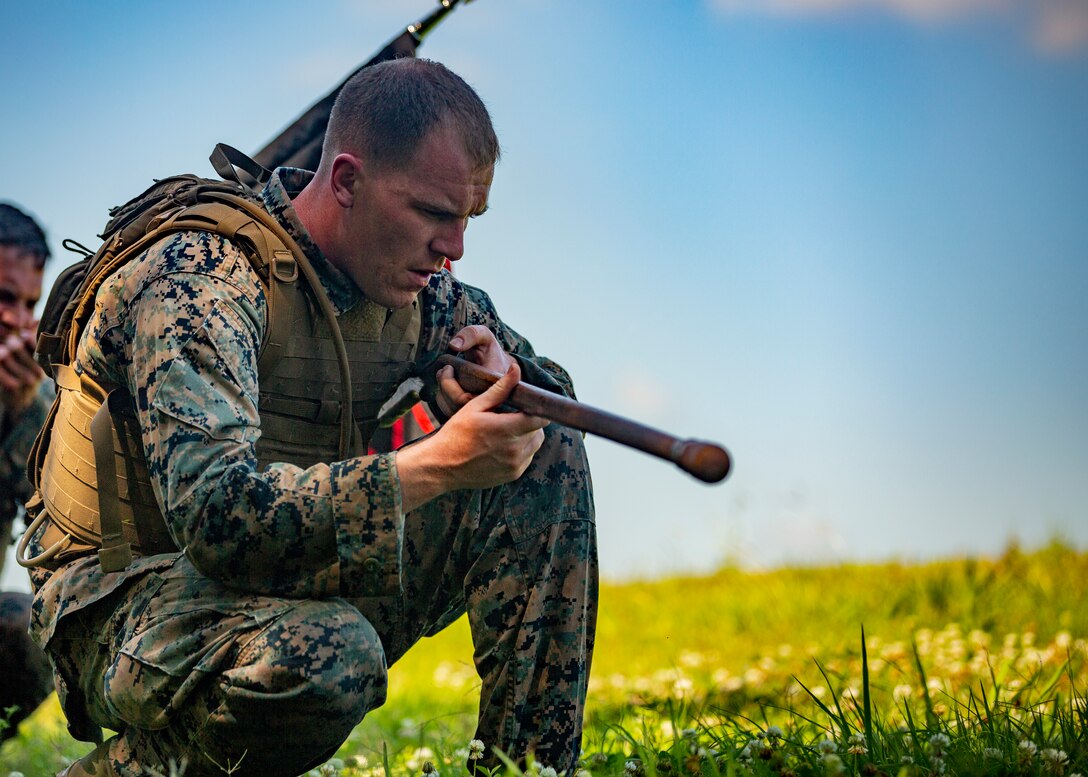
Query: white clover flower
x=688, y=733
x=856, y=739
x=583, y=773
x=906, y=760
x=358, y=761
x=408, y=728
x=754, y=747
x=419, y=758
x=939, y=765
x=857, y=750
x=16, y=774
x=833, y=764
x=992, y=753
x=827, y=746
x=774, y=732
x=547, y=771
x=1054, y=759
x=1027, y=748
x=429, y=768
x=938, y=744
x=475, y=749
x=631, y=766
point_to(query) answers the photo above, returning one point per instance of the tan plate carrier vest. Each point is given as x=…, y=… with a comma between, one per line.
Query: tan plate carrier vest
x=94, y=489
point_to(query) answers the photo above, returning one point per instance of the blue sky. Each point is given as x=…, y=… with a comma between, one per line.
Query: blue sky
x=846, y=238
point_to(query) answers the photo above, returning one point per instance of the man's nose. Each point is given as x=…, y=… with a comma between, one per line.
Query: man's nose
x=450, y=243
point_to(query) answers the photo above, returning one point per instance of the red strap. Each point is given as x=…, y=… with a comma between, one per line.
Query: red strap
x=424, y=420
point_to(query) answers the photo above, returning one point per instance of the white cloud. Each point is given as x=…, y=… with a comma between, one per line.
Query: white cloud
x=1061, y=26
x=1053, y=26
x=640, y=396
x=922, y=10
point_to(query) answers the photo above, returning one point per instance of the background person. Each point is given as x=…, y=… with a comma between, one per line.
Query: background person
x=25, y=397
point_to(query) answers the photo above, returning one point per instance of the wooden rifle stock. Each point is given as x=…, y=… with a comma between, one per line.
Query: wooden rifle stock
x=706, y=461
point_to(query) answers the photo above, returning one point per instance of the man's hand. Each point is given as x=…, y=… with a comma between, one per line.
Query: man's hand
x=19, y=373
x=476, y=344
x=476, y=448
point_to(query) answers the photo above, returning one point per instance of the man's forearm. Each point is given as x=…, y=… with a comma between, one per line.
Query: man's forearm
x=423, y=476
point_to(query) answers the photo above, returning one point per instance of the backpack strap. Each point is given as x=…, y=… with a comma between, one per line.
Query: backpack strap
x=227, y=160
x=115, y=554
x=275, y=264
x=274, y=261
x=263, y=218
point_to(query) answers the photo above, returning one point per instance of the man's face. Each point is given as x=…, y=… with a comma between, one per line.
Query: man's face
x=20, y=288
x=405, y=223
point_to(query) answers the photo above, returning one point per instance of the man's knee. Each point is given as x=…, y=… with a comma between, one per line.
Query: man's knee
x=296, y=690
x=555, y=488
x=564, y=453
x=321, y=656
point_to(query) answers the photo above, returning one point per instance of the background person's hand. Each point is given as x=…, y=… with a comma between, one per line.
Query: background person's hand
x=19, y=373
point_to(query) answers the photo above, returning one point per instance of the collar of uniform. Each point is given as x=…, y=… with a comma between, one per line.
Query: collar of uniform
x=285, y=184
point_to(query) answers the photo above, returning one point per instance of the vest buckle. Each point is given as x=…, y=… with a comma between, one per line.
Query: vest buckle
x=284, y=267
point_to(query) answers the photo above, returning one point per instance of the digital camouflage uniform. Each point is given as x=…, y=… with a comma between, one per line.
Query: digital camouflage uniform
x=24, y=682
x=268, y=639
x=17, y=438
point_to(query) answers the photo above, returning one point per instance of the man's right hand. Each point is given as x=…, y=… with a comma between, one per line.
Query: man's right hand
x=476, y=448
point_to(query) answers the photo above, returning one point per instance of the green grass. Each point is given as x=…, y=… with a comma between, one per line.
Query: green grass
x=970, y=667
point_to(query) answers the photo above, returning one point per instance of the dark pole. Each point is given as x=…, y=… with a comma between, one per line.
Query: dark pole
x=707, y=461
x=299, y=144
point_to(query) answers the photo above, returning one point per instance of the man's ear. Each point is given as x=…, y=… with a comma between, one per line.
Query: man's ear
x=346, y=174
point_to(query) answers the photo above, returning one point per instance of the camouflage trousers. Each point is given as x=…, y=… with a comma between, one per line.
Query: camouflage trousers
x=183, y=667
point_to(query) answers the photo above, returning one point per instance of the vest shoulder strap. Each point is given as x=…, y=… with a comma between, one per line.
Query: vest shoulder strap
x=275, y=263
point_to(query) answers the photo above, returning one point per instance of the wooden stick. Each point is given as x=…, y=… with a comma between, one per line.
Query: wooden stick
x=706, y=461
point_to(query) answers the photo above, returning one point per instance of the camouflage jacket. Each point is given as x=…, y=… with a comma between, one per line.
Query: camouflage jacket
x=16, y=440
x=180, y=327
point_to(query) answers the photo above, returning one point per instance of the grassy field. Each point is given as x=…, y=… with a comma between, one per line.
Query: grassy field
x=971, y=666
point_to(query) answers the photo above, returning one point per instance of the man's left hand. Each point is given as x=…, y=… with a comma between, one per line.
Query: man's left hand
x=476, y=344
